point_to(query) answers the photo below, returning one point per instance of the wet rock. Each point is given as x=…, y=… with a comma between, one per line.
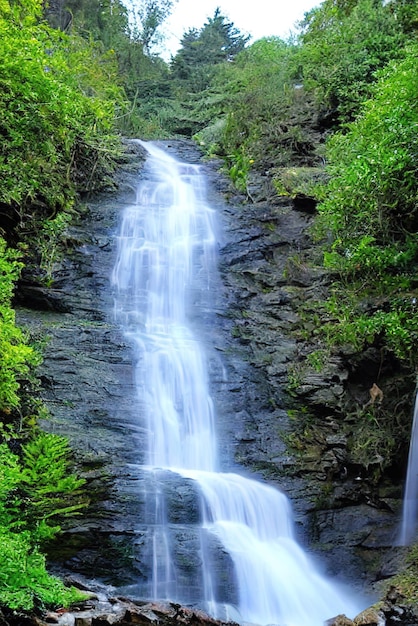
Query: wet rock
x=114, y=611
x=370, y=617
x=339, y=620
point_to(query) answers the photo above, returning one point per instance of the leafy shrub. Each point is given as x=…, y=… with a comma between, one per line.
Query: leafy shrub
x=370, y=212
x=49, y=244
x=343, y=45
x=57, y=103
x=373, y=164
x=50, y=490
x=16, y=357
x=239, y=168
x=24, y=580
x=269, y=114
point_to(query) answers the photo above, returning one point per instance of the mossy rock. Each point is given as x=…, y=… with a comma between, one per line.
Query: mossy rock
x=298, y=181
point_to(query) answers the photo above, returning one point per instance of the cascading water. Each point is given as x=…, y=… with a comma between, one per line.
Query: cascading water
x=410, y=503
x=166, y=256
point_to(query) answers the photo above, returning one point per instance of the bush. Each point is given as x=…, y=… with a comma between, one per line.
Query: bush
x=24, y=580
x=33, y=490
x=344, y=44
x=373, y=161
x=369, y=210
x=16, y=356
x=57, y=103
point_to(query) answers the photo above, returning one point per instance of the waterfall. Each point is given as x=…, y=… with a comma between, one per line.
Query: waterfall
x=410, y=502
x=164, y=279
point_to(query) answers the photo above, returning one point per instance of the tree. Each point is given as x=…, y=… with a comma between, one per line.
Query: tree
x=57, y=14
x=344, y=43
x=22, y=12
x=149, y=16
x=103, y=20
x=201, y=50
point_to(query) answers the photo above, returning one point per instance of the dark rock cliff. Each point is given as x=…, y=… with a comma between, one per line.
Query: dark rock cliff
x=290, y=424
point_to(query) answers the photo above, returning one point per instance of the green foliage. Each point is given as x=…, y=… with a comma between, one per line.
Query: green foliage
x=374, y=440
x=50, y=244
x=38, y=488
x=370, y=210
x=268, y=113
x=25, y=486
x=371, y=198
x=60, y=100
x=406, y=581
x=114, y=23
x=344, y=43
x=395, y=326
x=317, y=359
x=199, y=75
x=34, y=489
x=99, y=20
x=280, y=96
x=202, y=50
x=16, y=357
x=46, y=482
x=24, y=580
x=210, y=137
x=57, y=103
x=21, y=12
x=10, y=476
x=126, y=36
x=151, y=14
x=239, y=168
x=297, y=181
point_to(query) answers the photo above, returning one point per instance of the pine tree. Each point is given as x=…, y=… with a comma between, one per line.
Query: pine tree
x=201, y=50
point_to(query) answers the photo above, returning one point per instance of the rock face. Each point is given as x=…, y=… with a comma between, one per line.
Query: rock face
x=87, y=384
x=342, y=511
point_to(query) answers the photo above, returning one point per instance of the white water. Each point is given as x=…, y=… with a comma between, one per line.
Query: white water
x=166, y=257
x=410, y=502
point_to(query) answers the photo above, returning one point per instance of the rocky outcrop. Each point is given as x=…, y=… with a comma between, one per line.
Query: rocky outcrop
x=345, y=454
x=101, y=610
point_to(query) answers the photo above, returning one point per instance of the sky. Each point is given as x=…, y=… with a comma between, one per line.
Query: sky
x=258, y=18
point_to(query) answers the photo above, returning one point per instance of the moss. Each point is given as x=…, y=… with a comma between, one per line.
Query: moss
x=297, y=181
x=406, y=581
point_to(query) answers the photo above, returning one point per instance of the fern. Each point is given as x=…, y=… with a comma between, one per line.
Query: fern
x=24, y=580
x=46, y=481
x=33, y=489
